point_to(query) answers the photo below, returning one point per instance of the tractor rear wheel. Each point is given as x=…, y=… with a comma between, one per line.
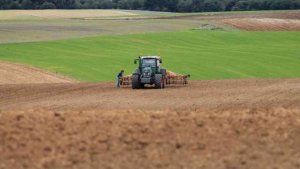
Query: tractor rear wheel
x=136, y=82
x=159, y=83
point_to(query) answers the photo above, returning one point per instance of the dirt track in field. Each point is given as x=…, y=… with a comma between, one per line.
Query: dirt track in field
x=221, y=124
x=11, y=73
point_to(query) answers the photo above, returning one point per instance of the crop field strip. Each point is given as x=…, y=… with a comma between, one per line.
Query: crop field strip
x=203, y=54
x=60, y=14
x=44, y=25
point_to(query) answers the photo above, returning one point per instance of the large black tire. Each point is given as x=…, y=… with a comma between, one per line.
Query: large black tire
x=136, y=82
x=159, y=83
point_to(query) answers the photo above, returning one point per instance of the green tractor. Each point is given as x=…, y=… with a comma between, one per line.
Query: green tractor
x=149, y=72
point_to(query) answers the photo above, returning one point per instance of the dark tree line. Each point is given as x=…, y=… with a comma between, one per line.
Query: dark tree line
x=155, y=5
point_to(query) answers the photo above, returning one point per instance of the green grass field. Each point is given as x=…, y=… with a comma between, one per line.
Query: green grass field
x=203, y=54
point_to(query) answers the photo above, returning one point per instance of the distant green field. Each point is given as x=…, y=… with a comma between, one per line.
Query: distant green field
x=45, y=25
x=203, y=54
x=46, y=30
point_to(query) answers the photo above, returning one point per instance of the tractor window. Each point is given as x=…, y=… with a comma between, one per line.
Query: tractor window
x=149, y=62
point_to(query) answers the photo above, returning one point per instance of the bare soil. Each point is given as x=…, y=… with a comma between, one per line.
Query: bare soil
x=198, y=95
x=253, y=123
x=292, y=14
x=264, y=24
x=12, y=73
x=268, y=21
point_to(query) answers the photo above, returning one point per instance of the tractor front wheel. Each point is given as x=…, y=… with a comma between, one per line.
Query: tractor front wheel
x=159, y=82
x=136, y=82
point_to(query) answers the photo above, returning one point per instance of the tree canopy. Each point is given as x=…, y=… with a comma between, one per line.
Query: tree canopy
x=155, y=5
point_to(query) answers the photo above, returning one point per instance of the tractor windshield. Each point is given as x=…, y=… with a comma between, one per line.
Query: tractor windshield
x=149, y=62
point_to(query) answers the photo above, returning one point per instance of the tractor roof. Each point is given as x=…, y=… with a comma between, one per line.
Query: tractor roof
x=150, y=57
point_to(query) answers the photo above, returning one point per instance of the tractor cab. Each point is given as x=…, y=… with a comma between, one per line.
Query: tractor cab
x=148, y=61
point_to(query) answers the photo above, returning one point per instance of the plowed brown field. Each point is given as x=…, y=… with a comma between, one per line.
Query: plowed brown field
x=268, y=21
x=224, y=124
x=265, y=24
x=198, y=95
x=11, y=73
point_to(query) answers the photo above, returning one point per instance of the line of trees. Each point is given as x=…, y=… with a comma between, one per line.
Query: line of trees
x=155, y=5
